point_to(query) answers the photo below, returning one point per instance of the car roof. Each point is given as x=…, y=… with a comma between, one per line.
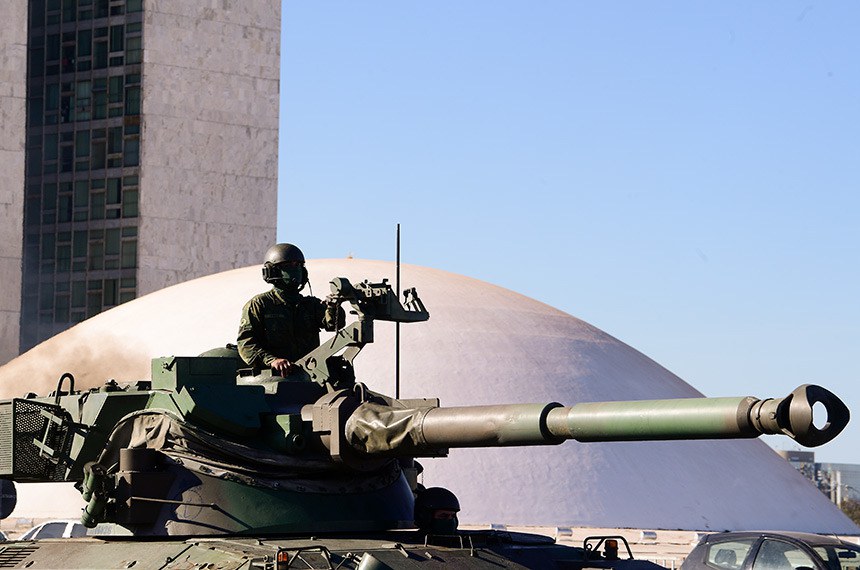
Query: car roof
x=807, y=537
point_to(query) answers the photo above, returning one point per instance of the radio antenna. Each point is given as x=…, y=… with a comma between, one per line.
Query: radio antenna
x=397, y=326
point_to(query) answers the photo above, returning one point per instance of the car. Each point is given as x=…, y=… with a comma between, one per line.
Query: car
x=772, y=550
x=55, y=529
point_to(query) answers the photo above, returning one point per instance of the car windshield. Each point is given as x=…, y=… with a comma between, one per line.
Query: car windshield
x=47, y=530
x=839, y=557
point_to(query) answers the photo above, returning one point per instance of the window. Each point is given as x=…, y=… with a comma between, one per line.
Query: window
x=82, y=194
x=79, y=244
x=78, y=294
x=132, y=101
x=110, y=292
x=69, y=10
x=838, y=557
x=96, y=257
x=83, y=95
x=97, y=206
x=46, y=297
x=82, y=143
x=779, y=555
x=50, y=146
x=127, y=284
x=112, y=241
x=117, y=38
x=37, y=14
x=100, y=55
x=48, y=246
x=34, y=117
x=64, y=209
x=34, y=163
x=115, y=89
x=113, y=191
x=94, y=303
x=100, y=105
x=66, y=113
x=49, y=196
x=132, y=152
x=115, y=140
x=66, y=158
x=85, y=43
x=64, y=258
x=52, y=97
x=129, y=203
x=128, y=255
x=728, y=555
x=68, y=59
x=61, y=309
x=133, y=51
x=52, y=47
x=48, y=530
x=99, y=152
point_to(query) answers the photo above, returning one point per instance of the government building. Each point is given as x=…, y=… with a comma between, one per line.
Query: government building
x=138, y=149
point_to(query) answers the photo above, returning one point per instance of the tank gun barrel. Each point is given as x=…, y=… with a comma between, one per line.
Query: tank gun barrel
x=705, y=418
x=377, y=429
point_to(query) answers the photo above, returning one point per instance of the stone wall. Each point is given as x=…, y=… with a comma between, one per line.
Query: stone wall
x=13, y=65
x=209, y=140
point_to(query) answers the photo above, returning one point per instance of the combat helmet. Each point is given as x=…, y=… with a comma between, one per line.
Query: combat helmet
x=436, y=510
x=284, y=267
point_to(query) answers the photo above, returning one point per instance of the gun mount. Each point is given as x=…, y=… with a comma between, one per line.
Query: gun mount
x=196, y=450
x=330, y=365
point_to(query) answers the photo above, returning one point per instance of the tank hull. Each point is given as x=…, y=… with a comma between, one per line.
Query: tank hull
x=394, y=549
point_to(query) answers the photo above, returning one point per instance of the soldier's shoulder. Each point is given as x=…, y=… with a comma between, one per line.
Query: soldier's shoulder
x=260, y=300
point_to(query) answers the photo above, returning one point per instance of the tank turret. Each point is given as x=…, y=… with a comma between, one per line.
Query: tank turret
x=206, y=447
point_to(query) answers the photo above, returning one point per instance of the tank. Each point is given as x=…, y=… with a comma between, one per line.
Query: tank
x=210, y=465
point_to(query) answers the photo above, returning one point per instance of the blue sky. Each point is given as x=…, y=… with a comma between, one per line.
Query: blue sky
x=682, y=175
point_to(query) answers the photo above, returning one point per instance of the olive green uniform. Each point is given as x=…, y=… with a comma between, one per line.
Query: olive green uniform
x=282, y=324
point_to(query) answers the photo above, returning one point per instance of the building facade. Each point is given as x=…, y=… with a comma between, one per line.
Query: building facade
x=839, y=481
x=842, y=480
x=150, y=149
x=13, y=94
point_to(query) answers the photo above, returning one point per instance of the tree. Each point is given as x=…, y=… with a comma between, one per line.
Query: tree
x=851, y=507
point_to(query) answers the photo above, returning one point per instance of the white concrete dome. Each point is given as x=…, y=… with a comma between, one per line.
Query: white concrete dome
x=483, y=344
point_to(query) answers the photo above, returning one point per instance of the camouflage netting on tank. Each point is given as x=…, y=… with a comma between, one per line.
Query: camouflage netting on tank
x=201, y=451
x=376, y=428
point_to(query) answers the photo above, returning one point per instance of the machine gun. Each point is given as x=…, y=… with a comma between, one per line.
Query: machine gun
x=330, y=365
x=196, y=450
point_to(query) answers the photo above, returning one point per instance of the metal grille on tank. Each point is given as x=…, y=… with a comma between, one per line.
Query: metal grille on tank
x=30, y=423
x=12, y=556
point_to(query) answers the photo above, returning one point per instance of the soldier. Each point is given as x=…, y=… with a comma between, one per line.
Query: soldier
x=436, y=510
x=282, y=325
